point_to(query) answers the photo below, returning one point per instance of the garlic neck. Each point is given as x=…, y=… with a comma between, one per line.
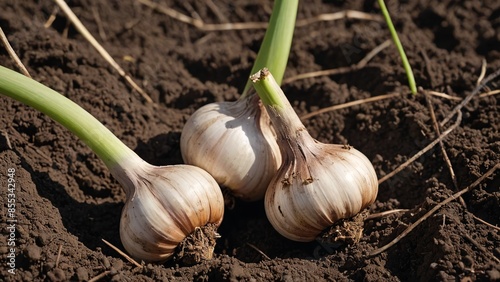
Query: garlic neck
x=295, y=143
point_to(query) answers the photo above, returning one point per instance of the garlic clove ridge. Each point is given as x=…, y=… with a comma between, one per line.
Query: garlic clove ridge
x=327, y=183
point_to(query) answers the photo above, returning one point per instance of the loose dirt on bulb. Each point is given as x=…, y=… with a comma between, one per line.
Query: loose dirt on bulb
x=67, y=200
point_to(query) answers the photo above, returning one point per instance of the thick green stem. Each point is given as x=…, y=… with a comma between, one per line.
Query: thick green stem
x=399, y=46
x=284, y=118
x=275, y=47
x=268, y=88
x=70, y=115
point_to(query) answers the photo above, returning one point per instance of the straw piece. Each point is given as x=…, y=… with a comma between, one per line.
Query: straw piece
x=83, y=30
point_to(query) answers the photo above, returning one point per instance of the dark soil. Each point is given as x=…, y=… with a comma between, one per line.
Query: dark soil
x=67, y=202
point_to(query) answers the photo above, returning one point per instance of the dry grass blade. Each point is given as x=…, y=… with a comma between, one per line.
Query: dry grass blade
x=384, y=213
x=13, y=54
x=350, y=104
x=490, y=93
x=423, y=151
x=483, y=72
x=433, y=210
x=100, y=276
x=7, y=139
x=259, y=251
x=476, y=90
x=58, y=255
x=199, y=23
x=131, y=260
x=361, y=64
x=347, y=14
x=444, y=95
x=486, y=223
x=443, y=150
x=83, y=30
x=255, y=25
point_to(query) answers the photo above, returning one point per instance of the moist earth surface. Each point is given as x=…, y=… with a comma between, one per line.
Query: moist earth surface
x=67, y=201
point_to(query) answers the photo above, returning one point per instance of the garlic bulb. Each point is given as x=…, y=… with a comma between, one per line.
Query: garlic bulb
x=235, y=143
x=317, y=184
x=165, y=205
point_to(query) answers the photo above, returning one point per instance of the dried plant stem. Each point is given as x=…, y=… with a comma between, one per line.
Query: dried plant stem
x=384, y=213
x=259, y=251
x=483, y=72
x=361, y=64
x=433, y=210
x=486, y=223
x=83, y=30
x=347, y=14
x=100, y=276
x=350, y=104
x=385, y=97
x=52, y=17
x=131, y=260
x=471, y=95
x=58, y=255
x=7, y=139
x=198, y=23
x=423, y=151
x=443, y=150
x=13, y=54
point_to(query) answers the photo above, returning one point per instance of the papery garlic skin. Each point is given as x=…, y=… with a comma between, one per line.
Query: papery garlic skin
x=321, y=185
x=165, y=205
x=234, y=142
x=316, y=184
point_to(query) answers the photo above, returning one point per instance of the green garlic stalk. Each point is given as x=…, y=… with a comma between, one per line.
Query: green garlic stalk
x=234, y=141
x=166, y=207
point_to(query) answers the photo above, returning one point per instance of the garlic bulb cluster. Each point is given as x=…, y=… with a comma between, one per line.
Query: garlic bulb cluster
x=317, y=184
x=165, y=205
x=235, y=143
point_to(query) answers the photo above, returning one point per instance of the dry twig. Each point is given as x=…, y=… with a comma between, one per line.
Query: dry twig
x=350, y=104
x=131, y=260
x=58, y=255
x=259, y=251
x=100, y=276
x=83, y=30
x=199, y=24
x=7, y=139
x=483, y=72
x=361, y=64
x=423, y=151
x=384, y=213
x=434, y=209
x=476, y=90
x=486, y=223
x=443, y=150
x=13, y=54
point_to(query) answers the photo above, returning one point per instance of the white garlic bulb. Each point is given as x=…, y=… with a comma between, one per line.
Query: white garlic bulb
x=317, y=184
x=235, y=143
x=165, y=204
